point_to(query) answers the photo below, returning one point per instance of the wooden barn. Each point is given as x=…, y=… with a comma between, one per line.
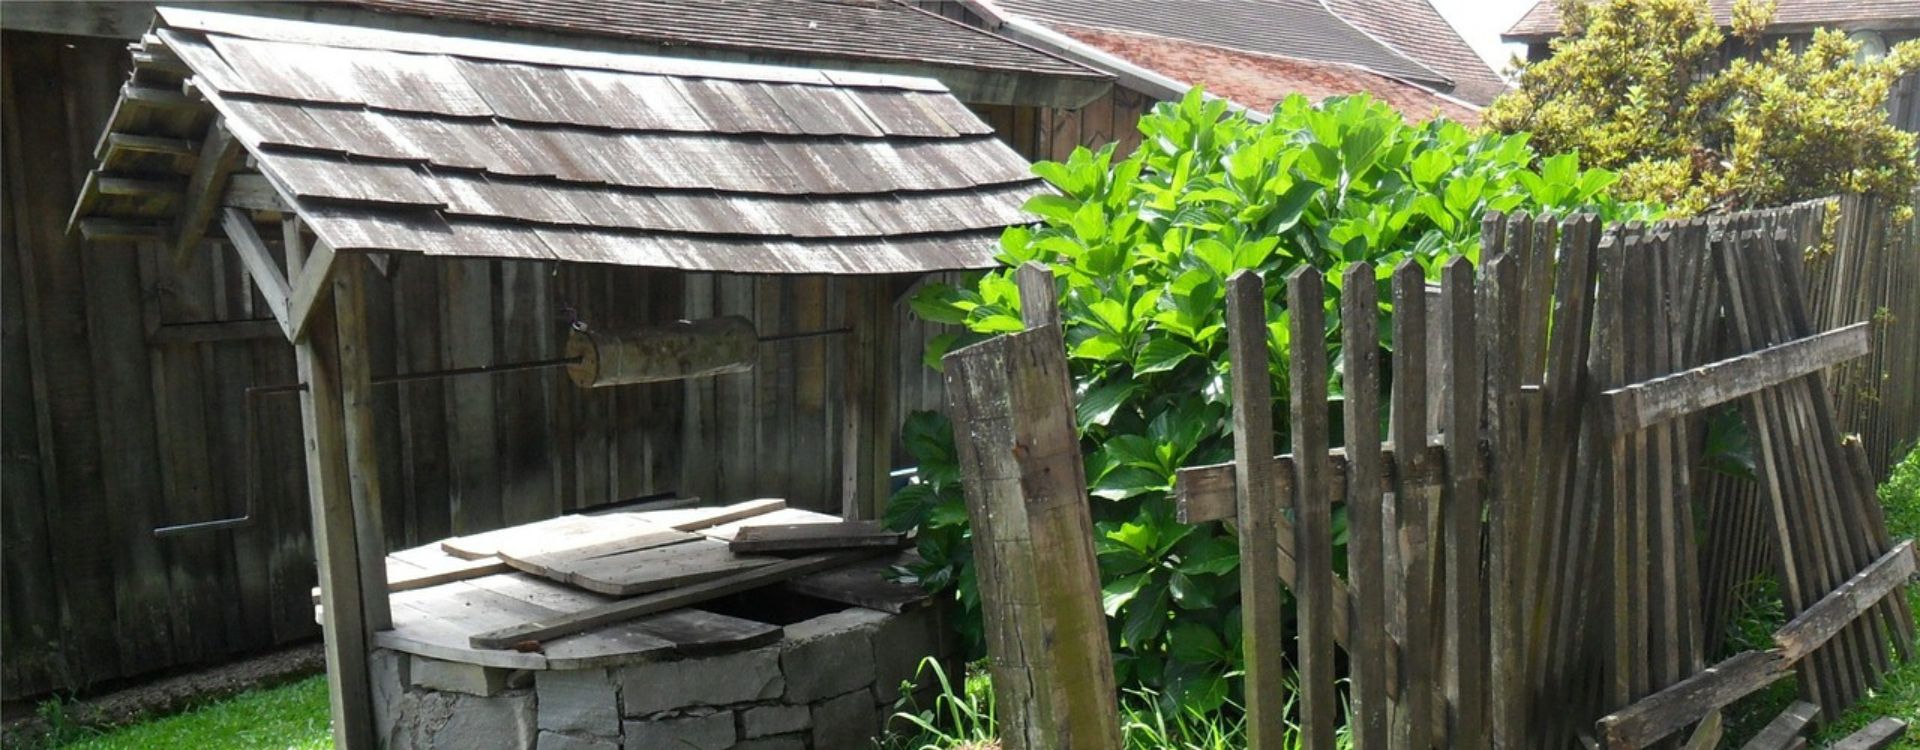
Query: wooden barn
x=155, y=478
x=427, y=219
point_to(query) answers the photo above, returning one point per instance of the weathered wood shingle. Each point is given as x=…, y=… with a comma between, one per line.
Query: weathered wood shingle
x=393, y=142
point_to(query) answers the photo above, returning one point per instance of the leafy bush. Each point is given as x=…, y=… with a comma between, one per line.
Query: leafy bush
x=1636, y=86
x=1141, y=247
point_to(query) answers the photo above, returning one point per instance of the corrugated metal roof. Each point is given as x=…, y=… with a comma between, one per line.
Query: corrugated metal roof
x=883, y=30
x=1300, y=29
x=429, y=146
x=1543, y=21
x=1417, y=30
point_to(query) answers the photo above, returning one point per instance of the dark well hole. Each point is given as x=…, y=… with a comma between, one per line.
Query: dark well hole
x=772, y=605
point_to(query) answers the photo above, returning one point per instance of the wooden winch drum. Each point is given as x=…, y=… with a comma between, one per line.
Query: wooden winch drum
x=662, y=352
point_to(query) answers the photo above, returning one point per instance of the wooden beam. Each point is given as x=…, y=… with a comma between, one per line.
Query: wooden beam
x=867, y=439
x=139, y=187
x=1780, y=733
x=1686, y=701
x=252, y=191
x=540, y=631
x=1881, y=733
x=1706, y=735
x=259, y=262
x=342, y=618
x=1843, y=605
x=121, y=230
x=157, y=97
x=1012, y=407
x=294, y=240
x=307, y=290
x=362, y=443
x=813, y=537
x=83, y=205
x=225, y=330
x=219, y=155
x=1644, y=404
x=150, y=144
x=1206, y=493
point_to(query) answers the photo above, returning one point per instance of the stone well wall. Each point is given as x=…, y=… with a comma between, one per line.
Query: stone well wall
x=829, y=683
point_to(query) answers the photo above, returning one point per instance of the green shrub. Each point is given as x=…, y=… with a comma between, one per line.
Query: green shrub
x=1141, y=247
x=1636, y=86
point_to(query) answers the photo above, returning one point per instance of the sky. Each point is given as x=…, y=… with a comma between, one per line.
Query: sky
x=1481, y=21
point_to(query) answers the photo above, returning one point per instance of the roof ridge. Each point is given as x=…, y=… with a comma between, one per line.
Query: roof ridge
x=995, y=34
x=313, y=33
x=1324, y=5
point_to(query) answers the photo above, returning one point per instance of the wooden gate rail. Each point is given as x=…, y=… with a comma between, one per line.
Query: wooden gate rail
x=1692, y=699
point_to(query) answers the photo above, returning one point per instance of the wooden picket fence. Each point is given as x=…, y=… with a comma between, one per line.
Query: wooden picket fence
x=1524, y=567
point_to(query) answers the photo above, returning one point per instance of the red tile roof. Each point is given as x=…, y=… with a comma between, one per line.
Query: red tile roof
x=1259, y=81
x=1543, y=22
x=1418, y=31
x=1302, y=29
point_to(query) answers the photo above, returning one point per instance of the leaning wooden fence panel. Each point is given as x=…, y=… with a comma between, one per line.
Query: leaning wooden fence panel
x=1525, y=565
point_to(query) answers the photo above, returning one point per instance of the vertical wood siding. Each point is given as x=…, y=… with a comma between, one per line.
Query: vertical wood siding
x=108, y=434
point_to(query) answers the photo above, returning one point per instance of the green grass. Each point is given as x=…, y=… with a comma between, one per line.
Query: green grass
x=289, y=717
x=1897, y=696
x=964, y=720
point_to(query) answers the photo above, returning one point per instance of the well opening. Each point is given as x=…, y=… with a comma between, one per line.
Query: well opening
x=816, y=662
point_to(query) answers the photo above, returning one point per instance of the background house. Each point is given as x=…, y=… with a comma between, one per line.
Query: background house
x=1876, y=24
x=1251, y=52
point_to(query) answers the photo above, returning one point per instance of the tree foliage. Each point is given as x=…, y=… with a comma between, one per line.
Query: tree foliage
x=1141, y=247
x=1638, y=86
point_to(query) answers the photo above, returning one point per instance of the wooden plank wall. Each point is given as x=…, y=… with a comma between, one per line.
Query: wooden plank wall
x=110, y=433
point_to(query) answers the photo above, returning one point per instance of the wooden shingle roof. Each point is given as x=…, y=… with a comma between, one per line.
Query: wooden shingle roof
x=880, y=30
x=394, y=142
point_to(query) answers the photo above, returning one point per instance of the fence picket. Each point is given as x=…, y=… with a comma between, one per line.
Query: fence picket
x=1264, y=630
x=1366, y=576
x=1416, y=517
x=1465, y=648
x=1313, y=524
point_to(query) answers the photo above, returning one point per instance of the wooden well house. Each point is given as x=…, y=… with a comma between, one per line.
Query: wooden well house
x=367, y=179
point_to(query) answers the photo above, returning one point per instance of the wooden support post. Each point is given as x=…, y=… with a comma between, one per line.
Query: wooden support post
x=867, y=444
x=362, y=444
x=308, y=289
x=258, y=260
x=220, y=152
x=294, y=239
x=343, y=617
x=1012, y=408
x=1261, y=602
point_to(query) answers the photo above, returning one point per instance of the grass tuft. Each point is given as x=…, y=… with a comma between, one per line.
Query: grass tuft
x=288, y=717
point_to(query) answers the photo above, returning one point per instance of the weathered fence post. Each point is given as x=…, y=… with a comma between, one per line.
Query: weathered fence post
x=1012, y=408
x=1312, y=507
x=1259, y=508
